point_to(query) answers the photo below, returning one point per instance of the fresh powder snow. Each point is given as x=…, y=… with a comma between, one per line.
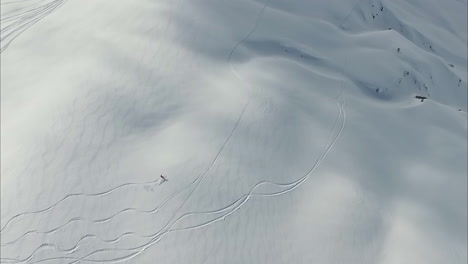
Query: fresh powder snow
x=234, y=131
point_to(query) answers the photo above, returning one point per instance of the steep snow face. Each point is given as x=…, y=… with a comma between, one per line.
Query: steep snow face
x=289, y=131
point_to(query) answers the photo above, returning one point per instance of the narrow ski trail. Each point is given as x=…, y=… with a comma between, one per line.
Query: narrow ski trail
x=16, y=22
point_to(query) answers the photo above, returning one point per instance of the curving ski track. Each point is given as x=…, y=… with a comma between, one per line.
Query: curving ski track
x=16, y=22
x=12, y=219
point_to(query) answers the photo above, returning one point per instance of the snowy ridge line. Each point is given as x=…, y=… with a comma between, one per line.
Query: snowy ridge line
x=446, y=106
x=70, y=196
x=231, y=208
x=349, y=14
x=25, y=20
x=88, y=236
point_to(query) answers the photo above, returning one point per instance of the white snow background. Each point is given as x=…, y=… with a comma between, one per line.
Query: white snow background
x=289, y=131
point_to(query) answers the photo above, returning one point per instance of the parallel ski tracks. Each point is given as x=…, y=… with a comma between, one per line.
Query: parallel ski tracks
x=170, y=226
x=15, y=23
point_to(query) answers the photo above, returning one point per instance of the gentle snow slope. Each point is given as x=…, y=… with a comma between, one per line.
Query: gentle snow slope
x=289, y=131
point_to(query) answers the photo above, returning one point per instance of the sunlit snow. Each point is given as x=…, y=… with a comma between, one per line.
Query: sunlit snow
x=320, y=131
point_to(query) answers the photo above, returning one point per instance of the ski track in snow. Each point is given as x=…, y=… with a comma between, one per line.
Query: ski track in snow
x=227, y=210
x=88, y=236
x=16, y=22
x=53, y=206
x=255, y=26
x=197, y=181
x=168, y=227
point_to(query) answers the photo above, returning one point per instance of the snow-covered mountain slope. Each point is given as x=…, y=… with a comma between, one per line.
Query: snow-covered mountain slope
x=289, y=131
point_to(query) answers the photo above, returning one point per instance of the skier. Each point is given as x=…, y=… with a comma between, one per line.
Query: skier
x=163, y=179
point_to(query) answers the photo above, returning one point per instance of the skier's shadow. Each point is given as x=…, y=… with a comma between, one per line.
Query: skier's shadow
x=150, y=187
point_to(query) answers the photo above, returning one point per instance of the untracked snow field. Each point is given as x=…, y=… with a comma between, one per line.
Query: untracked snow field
x=298, y=131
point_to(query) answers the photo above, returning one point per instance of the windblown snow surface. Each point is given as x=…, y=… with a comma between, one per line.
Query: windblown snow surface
x=288, y=130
